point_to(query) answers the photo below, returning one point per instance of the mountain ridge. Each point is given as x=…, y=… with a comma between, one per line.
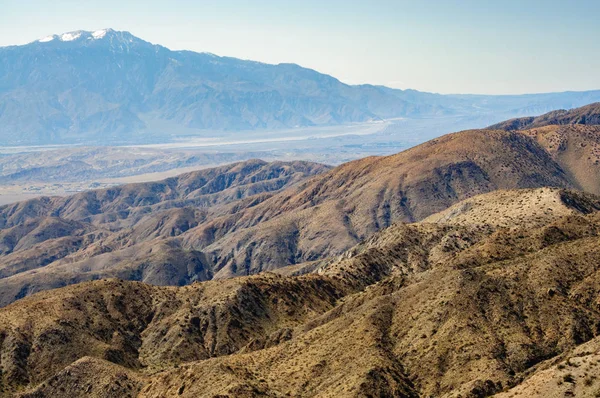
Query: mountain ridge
x=254, y=216
x=589, y=114
x=465, y=266
x=416, y=310
x=118, y=88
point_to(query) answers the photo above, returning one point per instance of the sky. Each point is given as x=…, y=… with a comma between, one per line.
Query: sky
x=469, y=46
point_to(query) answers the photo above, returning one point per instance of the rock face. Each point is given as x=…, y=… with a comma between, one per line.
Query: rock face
x=455, y=305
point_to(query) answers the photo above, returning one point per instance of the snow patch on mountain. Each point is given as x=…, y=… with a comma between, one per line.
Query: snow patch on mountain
x=70, y=36
x=99, y=34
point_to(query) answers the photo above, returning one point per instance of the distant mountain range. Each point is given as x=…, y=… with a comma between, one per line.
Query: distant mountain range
x=109, y=87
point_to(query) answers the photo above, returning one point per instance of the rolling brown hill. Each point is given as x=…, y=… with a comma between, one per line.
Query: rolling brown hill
x=575, y=375
x=139, y=232
x=467, y=266
x=253, y=216
x=572, y=137
x=333, y=211
x=587, y=115
x=576, y=149
x=203, y=188
x=444, y=308
x=99, y=228
x=330, y=212
x=521, y=208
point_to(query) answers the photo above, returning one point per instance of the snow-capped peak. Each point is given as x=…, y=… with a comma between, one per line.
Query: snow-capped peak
x=119, y=41
x=99, y=34
x=70, y=36
x=46, y=39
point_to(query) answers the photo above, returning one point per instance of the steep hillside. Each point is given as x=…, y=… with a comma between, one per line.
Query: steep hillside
x=252, y=216
x=589, y=115
x=572, y=137
x=574, y=374
x=329, y=213
x=416, y=310
x=200, y=189
x=42, y=241
x=141, y=326
x=576, y=148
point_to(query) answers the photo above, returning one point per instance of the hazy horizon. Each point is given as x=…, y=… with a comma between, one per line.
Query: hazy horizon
x=446, y=47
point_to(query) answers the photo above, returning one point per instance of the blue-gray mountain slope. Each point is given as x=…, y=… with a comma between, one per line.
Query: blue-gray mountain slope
x=110, y=86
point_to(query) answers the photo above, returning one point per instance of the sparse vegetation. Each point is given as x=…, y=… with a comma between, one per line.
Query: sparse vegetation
x=588, y=381
x=483, y=297
x=568, y=378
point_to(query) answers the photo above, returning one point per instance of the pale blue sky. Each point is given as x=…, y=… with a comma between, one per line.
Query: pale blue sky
x=464, y=46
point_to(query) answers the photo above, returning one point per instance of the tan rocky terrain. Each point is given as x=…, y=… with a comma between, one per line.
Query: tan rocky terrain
x=589, y=115
x=125, y=231
x=464, y=267
x=224, y=224
x=576, y=149
x=574, y=374
x=571, y=137
x=331, y=212
x=253, y=216
x=442, y=308
x=517, y=208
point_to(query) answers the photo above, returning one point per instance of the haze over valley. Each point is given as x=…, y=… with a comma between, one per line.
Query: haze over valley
x=67, y=98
